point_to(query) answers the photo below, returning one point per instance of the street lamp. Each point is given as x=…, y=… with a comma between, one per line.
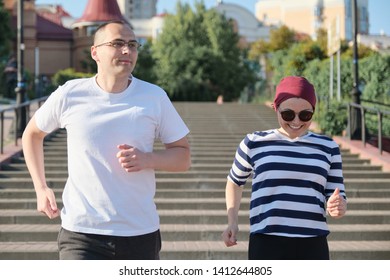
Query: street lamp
x=20, y=89
x=355, y=125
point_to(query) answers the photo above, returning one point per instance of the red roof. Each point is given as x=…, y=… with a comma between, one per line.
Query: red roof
x=49, y=30
x=53, y=16
x=101, y=11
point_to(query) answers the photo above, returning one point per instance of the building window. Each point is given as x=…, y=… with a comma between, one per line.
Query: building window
x=348, y=9
x=363, y=15
x=91, y=30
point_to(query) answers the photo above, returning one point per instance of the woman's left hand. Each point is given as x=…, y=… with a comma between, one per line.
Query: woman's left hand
x=336, y=204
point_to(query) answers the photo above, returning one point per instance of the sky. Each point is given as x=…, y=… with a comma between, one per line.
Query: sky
x=378, y=9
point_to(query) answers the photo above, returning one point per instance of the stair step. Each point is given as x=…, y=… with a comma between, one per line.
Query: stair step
x=189, y=216
x=379, y=203
x=204, y=250
x=192, y=174
x=193, y=232
x=198, y=160
x=191, y=205
x=12, y=193
x=195, y=183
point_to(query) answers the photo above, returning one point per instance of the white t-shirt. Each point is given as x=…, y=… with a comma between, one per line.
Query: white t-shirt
x=100, y=197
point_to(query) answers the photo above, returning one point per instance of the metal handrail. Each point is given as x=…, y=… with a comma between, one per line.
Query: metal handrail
x=41, y=100
x=364, y=109
x=15, y=108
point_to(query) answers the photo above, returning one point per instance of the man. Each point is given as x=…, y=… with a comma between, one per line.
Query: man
x=112, y=121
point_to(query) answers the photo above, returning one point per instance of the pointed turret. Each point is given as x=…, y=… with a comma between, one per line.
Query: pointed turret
x=99, y=11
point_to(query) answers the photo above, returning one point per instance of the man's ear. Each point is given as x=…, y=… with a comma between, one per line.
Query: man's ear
x=94, y=54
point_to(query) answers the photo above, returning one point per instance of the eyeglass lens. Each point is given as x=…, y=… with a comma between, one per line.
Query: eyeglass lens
x=133, y=45
x=289, y=115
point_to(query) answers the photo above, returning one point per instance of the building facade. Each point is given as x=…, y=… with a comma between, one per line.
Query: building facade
x=47, y=44
x=247, y=25
x=54, y=40
x=307, y=16
x=138, y=9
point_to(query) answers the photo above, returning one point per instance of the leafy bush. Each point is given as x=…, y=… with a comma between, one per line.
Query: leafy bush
x=331, y=117
x=62, y=76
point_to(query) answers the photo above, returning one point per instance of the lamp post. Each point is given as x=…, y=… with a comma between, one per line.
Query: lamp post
x=356, y=127
x=20, y=89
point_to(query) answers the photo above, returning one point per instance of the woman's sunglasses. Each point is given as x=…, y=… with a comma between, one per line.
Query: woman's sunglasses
x=289, y=115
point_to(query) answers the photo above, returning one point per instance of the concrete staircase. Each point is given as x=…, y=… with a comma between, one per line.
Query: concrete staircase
x=191, y=205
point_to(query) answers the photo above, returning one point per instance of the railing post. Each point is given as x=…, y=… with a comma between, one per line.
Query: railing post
x=380, y=115
x=17, y=115
x=349, y=121
x=21, y=86
x=363, y=125
x=355, y=114
x=28, y=112
x=2, y=132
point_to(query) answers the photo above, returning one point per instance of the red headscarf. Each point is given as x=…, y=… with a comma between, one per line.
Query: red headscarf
x=294, y=86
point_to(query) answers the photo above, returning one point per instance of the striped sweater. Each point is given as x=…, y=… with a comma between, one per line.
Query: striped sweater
x=291, y=181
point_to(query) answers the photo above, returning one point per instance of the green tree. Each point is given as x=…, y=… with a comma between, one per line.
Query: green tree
x=273, y=53
x=363, y=51
x=322, y=40
x=282, y=38
x=258, y=49
x=294, y=60
x=308, y=58
x=88, y=64
x=374, y=75
x=6, y=34
x=145, y=64
x=198, y=58
x=375, y=80
x=330, y=114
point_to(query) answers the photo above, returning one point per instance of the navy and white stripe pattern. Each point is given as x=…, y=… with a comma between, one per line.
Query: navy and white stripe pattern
x=291, y=181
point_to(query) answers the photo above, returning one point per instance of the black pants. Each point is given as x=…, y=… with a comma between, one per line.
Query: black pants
x=82, y=246
x=271, y=247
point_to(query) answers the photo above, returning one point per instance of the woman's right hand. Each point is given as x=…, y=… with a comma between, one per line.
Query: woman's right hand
x=229, y=236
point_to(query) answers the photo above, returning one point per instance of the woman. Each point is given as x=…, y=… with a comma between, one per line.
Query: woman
x=297, y=180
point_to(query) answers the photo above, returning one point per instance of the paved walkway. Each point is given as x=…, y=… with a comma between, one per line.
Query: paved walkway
x=366, y=152
x=175, y=248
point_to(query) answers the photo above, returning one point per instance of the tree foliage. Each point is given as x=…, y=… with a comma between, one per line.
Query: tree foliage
x=6, y=34
x=322, y=40
x=62, y=76
x=88, y=64
x=374, y=83
x=375, y=80
x=281, y=38
x=294, y=60
x=197, y=56
x=145, y=64
x=374, y=73
x=308, y=58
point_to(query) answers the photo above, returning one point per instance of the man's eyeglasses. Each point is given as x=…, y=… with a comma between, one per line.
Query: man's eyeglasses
x=289, y=115
x=133, y=45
